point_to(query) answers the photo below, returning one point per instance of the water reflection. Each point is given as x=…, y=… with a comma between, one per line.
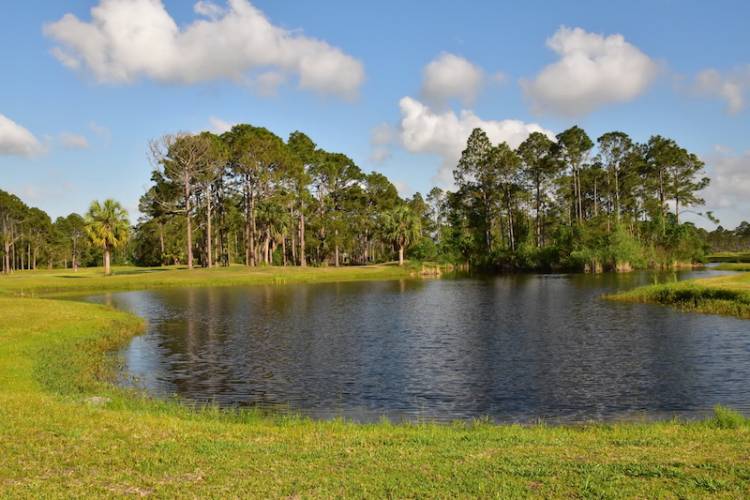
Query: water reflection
x=514, y=348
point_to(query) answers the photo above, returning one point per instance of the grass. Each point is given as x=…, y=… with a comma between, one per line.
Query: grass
x=732, y=267
x=66, y=431
x=727, y=295
x=739, y=257
x=60, y=282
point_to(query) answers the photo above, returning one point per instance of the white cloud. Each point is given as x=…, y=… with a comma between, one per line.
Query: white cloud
x=593, y=71
x=403, y=188
x=731, y=87
x=219, y=126
x=208, y=9
x=382, y=137
x=268, y=83
x=100, y=131
x=445, y=133
x=16, y=140
x=73, y=141
x=451, y=77
x=729, y=190
x=131, y=39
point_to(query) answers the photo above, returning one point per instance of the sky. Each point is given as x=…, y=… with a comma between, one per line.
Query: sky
x=396, y=85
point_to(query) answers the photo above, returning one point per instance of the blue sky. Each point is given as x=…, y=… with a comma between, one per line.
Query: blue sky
x=74, y=128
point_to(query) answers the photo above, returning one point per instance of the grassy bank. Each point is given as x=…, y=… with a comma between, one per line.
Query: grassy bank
x=728, y=295
x=739, y=257
x=54, y=282
x=733, y=267
x=66, y=431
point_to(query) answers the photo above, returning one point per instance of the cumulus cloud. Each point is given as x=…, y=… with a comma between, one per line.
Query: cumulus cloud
x=382, y=137
x=730, y=87
x=444, y=134
x=593, y=70
x=403, y=188
x=130, y=39
x=73, y=141
x=451, y=77
x=16, y=140
x=219, y=126
x=729, y=191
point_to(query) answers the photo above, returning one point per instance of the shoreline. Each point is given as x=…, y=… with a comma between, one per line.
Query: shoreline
x=69, y=431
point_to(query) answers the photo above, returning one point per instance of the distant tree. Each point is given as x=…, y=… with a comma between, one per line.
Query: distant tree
x=614, y=151
x=539, y=166
x=108, y=228
x=12, y=211
x=402, y=227
x=184, y=159
x=478, y=183
x=573, y=147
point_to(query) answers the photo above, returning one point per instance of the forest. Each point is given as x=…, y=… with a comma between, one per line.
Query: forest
x=247, y=196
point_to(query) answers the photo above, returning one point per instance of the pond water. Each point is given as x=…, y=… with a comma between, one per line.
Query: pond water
x=510, y=348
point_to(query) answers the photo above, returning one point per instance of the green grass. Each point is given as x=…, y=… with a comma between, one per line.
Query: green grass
x=739, y=257
x=57, y=441
x=57, y=282
x=732, y=267
x=727, y=295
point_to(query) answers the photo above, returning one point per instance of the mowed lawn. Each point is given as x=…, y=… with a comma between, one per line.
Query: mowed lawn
x=66, y=431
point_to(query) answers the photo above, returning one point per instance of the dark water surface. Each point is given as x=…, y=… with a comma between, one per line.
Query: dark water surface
x=512, y=348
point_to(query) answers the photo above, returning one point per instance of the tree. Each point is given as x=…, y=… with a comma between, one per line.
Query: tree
x=253, y=154
x=685, y=180
x=184, y=158
x=107, y=227
x=573, y=147
x=12, y=211
x=477, y=182
x=505, y=164
x=214, y=164
x=334, y=178
x=305, y=151
x=539, y=166
x=402, y=227
x=614, y=150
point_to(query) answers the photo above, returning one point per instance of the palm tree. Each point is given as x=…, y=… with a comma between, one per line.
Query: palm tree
x=402, y=227
x=108, y=227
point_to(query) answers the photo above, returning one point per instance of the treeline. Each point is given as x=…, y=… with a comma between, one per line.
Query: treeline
x=572, y=203
x=30, y=239
x=249, y=197
x=730, y=240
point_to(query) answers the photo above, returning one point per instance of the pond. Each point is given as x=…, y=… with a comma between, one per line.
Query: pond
x=509, y=348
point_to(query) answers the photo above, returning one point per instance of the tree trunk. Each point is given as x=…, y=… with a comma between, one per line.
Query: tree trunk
x=75, y=255
x=107, y=269
x=208, y=229
x=401, y=255
x=617, y=196
x=538, y=213
x=161, y=243
x=186, y=180
x=336, y=234
x=511, y=236
x=302, y=260
x=266, y=248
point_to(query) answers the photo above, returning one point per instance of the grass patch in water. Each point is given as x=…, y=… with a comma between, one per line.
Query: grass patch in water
x=726, y=295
